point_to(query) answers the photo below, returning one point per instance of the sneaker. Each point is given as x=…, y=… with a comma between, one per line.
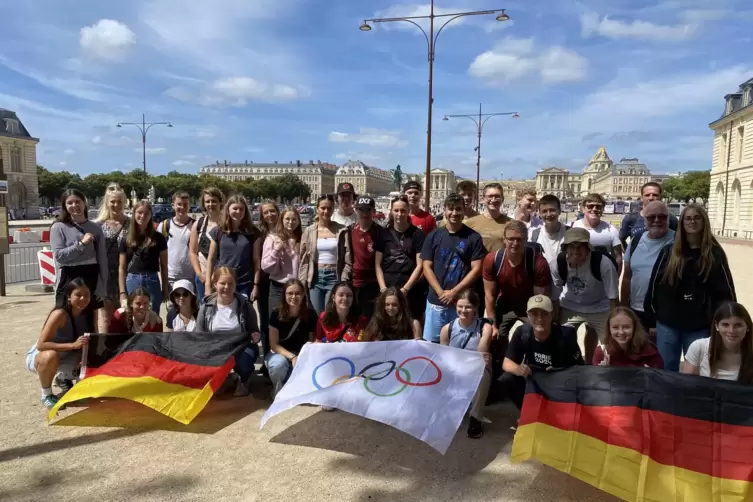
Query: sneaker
x=50, y=401
x=328, y=408
x=241, y=389
x=65, y=385
x=475, y=428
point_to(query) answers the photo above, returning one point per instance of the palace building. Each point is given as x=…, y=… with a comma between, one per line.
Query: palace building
x=18, y=165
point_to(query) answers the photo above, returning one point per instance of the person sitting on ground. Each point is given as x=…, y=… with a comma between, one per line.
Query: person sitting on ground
x=392, y=319
x=625, y=343
x=539, y=344
x=136, y=316
x=340, y=321
x=728, y=353
x=470, y=332
x=291, y=325
x=57, y=353
x=228, y=311
x=185, y=307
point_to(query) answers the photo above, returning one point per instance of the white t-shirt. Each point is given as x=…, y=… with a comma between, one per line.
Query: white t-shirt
x=178, y=261
x=551, y=244
x=226, y=318
x=345, y=220
x=604, y=235
x=176, y=323
x=582, y=292
x=698, y=355
x=642, y=264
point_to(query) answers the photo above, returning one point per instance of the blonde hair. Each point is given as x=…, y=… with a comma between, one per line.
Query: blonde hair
x=222, y=271
x=112, y=190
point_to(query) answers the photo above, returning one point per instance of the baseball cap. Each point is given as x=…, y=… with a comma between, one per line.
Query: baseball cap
x=345, y=188
x=575, y=235
x=539, y=302
x=411, y=185
x=365, y=203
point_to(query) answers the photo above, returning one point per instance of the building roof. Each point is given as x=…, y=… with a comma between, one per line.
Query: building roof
x=552, y=170
x=740, y=99
x=226, y=167
x=601, y=155
x=5, y=128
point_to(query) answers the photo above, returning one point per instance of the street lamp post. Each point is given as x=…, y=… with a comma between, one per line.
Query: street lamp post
x=431, y=42
x=144, y=127
x=480, y=120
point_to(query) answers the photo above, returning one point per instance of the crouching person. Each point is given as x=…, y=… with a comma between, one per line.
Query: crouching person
x=57, y=353
x=539, y=344
x=137, y=316
x=230, y=312
x=470, y=332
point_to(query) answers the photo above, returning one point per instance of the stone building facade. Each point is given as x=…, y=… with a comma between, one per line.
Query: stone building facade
x=365, y=179
x=18, y=164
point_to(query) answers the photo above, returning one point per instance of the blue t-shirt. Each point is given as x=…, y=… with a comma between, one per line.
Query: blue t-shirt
x=236, y=251
x=451, y=255
x=634, y=223
x=642, y=264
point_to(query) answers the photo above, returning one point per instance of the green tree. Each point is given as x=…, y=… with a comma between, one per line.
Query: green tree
x=291, y=187
x=53, y=184
x=697, y=185
x=672, y=188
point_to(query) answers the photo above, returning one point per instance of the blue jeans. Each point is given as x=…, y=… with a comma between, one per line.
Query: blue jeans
x=436, y=317
x=244, y=362
x=245, y=290
x=279, y=371
x=199, y=283
x=326, y=278
x=151, y=283
x=672, y=342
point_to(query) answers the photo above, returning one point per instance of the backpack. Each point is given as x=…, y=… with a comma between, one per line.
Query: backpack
x=166, y=227
x=529, y=261
x=634, y=242
x=595, y=259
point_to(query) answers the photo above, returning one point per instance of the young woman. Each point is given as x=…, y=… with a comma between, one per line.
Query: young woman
x=690, y=280
x=340, y=321
x=398, y=257
x=198, y=247
x=280, y=255
x=58, y=350
x=114, y=225
x=321, y=258
x=143, y=258
x=182, y=315
x=291, y=326
x=79, y=250
x=728, y=353
x=226, y=310
x=392, y=319
x=470, y=332
x=624, y=343
x=268, y=221
x=136, y=316
x=235, y=244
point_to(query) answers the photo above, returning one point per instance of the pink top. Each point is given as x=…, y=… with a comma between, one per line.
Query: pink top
x=282, y=264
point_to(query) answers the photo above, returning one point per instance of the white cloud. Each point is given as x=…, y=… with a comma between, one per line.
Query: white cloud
x=63, y=163
x=701, y=15
x=189, y=157
x=107, y=40
x=591, y=25
x=516, y=58
x=371, y=137
x=238, y=91
x=180, y=163
x=69, y=151
x=363, y=157
x=151, y=151
x=97, y=140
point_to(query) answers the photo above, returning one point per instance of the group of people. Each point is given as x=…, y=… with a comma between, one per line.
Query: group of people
x=467, y=283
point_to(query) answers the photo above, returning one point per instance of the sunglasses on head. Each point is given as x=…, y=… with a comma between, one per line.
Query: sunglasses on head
x=401, y=198
x=113, y=188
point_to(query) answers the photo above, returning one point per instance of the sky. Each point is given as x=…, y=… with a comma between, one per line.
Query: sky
x=287, y=80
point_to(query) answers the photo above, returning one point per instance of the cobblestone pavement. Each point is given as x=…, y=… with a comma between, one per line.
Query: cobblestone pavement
x=118, y=450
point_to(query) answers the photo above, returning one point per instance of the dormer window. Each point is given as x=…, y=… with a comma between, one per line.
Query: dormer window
x=11, y=126
x=748, y=96
x=728, y=107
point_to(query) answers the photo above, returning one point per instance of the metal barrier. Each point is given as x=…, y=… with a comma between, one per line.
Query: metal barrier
x=734, y=234
x=22, y=265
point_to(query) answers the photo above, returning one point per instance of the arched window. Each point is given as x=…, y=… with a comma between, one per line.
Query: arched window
x=15, y=159
x=736, y=199
x=719, y=203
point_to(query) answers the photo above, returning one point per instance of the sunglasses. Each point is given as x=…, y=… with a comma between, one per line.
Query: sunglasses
x=657, y=217
x=597, y=207
x=182, y=293
x=401, y=198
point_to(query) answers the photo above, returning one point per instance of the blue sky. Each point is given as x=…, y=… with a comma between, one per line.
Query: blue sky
x=286, y=80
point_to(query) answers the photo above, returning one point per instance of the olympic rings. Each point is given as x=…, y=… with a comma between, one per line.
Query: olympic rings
x=398, y=391
x=374, y=365
x=420, y=384
x=337, y=380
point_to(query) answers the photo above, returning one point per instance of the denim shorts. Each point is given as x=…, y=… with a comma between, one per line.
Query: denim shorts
x=69, y=361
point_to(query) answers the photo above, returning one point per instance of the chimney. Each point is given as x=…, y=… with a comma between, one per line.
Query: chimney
x=246, y=162
x=218, y=162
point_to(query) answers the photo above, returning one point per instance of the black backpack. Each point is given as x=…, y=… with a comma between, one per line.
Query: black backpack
x=166, y=227
x=529, y=260
x=595, y=258
x=634, y=242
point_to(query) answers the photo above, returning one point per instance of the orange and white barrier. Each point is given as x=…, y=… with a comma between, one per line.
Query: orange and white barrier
x=47, y=269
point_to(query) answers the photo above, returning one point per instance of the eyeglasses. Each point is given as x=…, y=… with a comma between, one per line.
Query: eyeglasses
x=493, y=197
x=692, y=219
x=657, y=217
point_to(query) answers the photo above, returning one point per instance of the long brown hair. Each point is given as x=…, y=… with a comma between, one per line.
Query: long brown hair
x=716, y=345
x=331, y=319
x=283, y=312
x=385, y=327
x=681, y=249
x=135, y=237
x=140, y=291
x=638, y=340
x=284, y=234
x=263, y=225
x=246, y=226
x=390, y=218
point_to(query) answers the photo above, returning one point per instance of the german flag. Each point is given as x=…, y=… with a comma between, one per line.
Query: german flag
x=175, y=374
x=641, y=434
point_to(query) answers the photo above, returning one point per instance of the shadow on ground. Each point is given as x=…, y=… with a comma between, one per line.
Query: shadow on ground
x=61, y=444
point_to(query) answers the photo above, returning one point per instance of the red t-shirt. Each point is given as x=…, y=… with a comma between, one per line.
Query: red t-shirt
x=364, y=262
x=341, y=332
x=118, y=323
x=425, y=221
x=514, y=285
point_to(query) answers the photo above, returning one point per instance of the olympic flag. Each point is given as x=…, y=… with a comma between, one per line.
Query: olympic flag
x=421, y=388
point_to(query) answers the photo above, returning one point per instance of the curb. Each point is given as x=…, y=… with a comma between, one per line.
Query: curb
x=39, y=288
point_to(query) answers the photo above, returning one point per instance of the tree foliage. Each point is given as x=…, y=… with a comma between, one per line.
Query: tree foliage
x=287, y=188
x=690, y=186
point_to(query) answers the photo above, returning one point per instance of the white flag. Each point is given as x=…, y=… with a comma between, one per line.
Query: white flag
x=421, y=388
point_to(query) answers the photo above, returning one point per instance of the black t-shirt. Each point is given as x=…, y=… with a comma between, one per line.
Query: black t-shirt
x=560, y=350
x=399, y=250
x=144, y=260
x=294, y=342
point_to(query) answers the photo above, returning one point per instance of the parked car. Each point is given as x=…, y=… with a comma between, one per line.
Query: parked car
x=161, y=212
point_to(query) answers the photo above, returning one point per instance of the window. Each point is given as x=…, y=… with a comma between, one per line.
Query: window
x=736, y=199
x=11, y=126
x=740, y=143
x=15, y=159
x=723, y=155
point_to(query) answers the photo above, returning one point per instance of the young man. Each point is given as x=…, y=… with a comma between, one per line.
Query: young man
x=641, y=256
x=511, y=277
x=635, y=223
x=585, y=285
x=603, y=235
x=345, y=215
x=552, y=234
x=491, y=223
x=525, y=209
x=467, y=190
x=362, y=259
x=418, y=217
x=177, y=232
x=539, y=345
x=452, y=257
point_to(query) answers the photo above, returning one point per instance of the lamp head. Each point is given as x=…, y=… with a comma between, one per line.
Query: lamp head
x=502, y=16
x=515, y=115
x=446, y=118
x=169, y=124
x=365, y=26
x=118, y=125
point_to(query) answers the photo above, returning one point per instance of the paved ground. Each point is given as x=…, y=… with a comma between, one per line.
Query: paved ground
x=118, y=450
